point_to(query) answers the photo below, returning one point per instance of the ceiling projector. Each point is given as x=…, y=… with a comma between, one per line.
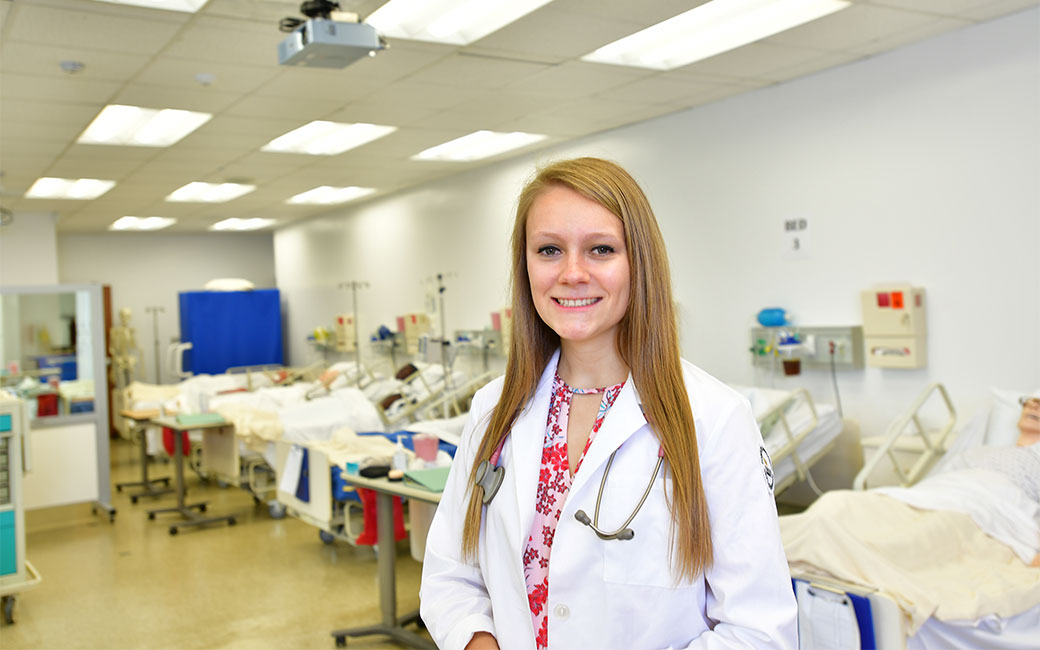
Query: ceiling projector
x=320, y=41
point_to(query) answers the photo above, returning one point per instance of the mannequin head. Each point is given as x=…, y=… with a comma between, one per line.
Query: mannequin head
x=1029, y=422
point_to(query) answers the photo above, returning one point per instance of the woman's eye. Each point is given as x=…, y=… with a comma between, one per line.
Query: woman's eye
x=548, y=251
x=603, y=250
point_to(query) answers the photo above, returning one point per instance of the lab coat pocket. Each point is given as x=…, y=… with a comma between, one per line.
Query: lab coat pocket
x=646, y=558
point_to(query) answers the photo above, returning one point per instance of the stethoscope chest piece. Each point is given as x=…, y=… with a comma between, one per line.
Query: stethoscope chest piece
x=490, y=478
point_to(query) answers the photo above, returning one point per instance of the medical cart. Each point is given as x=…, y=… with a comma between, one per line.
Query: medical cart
x=16, y=573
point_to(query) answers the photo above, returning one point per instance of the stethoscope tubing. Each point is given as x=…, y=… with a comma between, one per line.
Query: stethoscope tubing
x=489, y=475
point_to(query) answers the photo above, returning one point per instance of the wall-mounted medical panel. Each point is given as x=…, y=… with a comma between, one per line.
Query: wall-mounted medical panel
x=346, y=333
x=413, y=326
x=819, y=344
x=894, y=327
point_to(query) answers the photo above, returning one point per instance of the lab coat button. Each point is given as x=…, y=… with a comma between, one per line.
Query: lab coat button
x=561, y=611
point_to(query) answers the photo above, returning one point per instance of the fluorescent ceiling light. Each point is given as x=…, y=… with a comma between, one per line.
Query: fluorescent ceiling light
x=141, y=127
x=711, y=28
x=242, y=224
x=142, y=223
x=209, y=192
x=187, y=6
x=67, y=188
x=459, y=22
x=326, y=195
x=479, y=144
x=322, y=138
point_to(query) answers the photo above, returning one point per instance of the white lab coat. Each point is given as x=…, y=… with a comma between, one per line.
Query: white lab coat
x=606, y=594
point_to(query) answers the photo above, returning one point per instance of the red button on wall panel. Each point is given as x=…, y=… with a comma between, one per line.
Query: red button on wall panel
x=882, y=300
x=897, y=300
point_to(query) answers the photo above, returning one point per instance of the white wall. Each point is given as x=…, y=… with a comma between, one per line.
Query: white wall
x=918, y=165
x=28, y=252
x=150, y=269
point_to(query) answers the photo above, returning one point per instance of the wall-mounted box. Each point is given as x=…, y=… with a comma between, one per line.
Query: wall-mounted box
x=894, y=327
x=815, y=349
x=346, y=332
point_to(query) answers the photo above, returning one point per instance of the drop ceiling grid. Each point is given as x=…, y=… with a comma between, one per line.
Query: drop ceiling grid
x=526, y=76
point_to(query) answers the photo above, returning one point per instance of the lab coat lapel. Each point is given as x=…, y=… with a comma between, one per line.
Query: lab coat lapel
x=527, y=438
x=623, y=419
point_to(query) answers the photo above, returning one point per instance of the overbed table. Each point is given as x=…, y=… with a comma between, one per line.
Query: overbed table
x=392, y=625
x=220, y=429
x=138, y=422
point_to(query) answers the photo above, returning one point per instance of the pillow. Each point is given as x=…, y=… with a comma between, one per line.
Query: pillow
x=229, y=284
x=1002, y=427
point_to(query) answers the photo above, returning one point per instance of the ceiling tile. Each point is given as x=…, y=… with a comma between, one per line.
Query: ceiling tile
x=74, y=26
x=475, y=71
x=181, y=73
x=424, y=95
x=47, y=112
x=917, y=33
x=15, y=129
x=283, y=108
x=228, y=41
x=988, y=10
x=940, y=7
x=550, y=31
x=58, y=89
x=641, y=15
x=304, y=84
x=206, y=100
x=823, y=61
x=851, y=28
x=576, y=78
x=661, y=89
x=755, y=60
x=35, y=59
x=373, y=112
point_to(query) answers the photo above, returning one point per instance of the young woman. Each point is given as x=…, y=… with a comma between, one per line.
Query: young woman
x=606, y=493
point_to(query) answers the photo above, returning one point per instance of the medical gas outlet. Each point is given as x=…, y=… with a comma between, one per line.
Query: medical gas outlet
x=894, y=327
x=819, y=347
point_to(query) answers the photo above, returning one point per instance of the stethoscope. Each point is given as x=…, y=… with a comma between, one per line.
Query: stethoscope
x=490, y=474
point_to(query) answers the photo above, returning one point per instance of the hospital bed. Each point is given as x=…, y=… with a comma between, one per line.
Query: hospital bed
x=796, y=431
x=415, y=386
x=315, y=492
x=263, y=402
x=941, y=563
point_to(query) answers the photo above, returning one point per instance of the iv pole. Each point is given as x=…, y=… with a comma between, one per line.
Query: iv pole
x=354, y=285
x=154, y=310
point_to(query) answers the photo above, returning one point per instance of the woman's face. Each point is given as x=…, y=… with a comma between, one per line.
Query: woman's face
x=577, y=265
x=1029, y=422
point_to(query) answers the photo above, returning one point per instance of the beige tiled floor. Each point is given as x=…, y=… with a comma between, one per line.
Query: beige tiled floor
x=263, y=583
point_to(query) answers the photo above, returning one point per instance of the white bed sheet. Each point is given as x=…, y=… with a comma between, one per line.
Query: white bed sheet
x=1019, y=632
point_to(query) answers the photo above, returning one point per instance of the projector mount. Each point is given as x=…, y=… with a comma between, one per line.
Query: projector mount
x=312, y=9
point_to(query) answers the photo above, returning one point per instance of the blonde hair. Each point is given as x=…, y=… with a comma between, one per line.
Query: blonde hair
x=647, y=341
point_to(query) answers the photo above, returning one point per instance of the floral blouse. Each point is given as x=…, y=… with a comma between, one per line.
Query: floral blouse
x=554, y=482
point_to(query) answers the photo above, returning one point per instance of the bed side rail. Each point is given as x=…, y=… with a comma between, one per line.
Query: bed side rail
x=778, y=416
x=451, y=403
x=933, y=443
